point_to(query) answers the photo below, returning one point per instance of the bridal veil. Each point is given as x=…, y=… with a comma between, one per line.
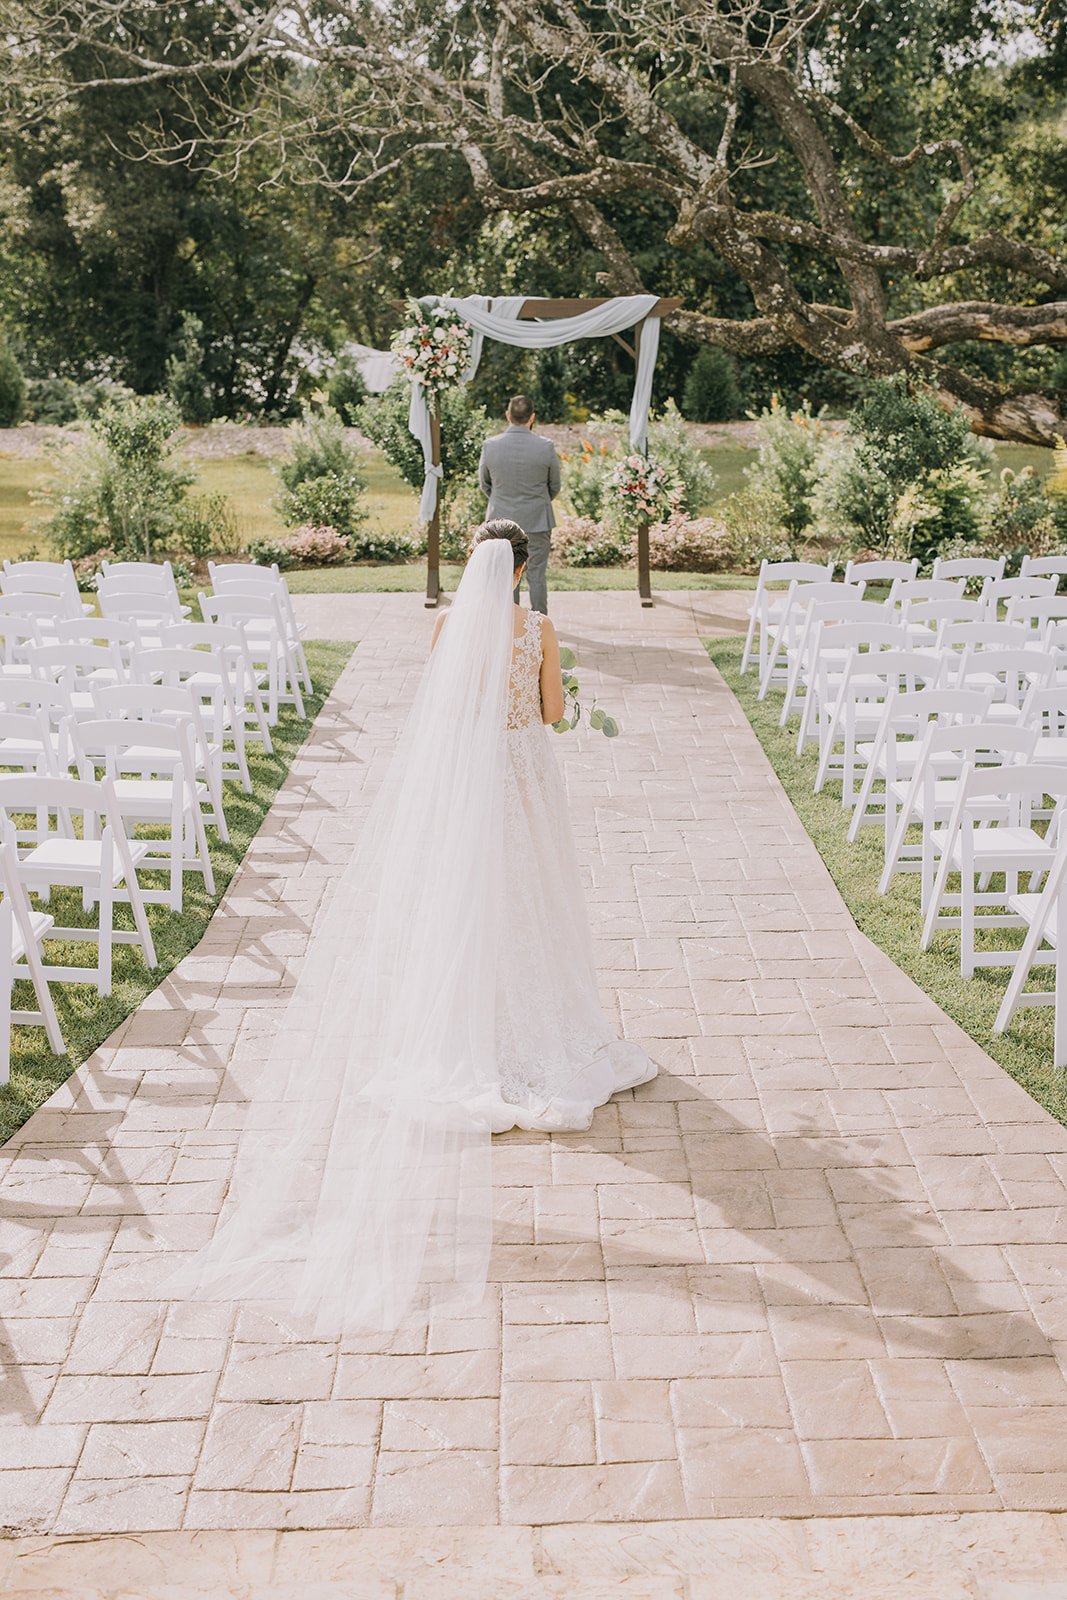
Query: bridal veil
x=363, y=1172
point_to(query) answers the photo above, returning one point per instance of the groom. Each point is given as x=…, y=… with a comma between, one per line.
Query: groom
x=519, y=472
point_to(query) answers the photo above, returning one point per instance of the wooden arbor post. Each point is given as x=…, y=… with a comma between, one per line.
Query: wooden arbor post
x=541, y=310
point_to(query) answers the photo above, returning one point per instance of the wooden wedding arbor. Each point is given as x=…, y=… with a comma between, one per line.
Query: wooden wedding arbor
x=541, y=310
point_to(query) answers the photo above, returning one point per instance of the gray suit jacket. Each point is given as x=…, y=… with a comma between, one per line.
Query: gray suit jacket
x=519, y=471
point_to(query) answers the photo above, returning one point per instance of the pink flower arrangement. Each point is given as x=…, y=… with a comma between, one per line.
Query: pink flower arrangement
x=646, y=489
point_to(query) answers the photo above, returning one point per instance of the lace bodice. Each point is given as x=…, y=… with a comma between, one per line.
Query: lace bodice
x=524, y=700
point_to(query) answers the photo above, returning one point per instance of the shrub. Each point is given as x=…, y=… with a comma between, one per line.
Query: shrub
x=121, y=487
x=711, y=393
x=464, y=429
x=322, y=477
x=87, y=568
x=791, y=446
x=207, y=525
x=187, y=382
x=586, y=479
x=1022, y=514
x=309, y=546
x=346, y=392
x=899, y=441
x=690, y=544
x=945, y=509
x=585, y=542
x=12, y=388
x=670, y=444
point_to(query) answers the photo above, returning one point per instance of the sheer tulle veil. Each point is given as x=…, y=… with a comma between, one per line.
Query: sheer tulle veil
x=363, y=1174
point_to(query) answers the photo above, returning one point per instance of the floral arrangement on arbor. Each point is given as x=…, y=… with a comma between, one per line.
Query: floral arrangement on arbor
x=434, y=345
x=645, y=489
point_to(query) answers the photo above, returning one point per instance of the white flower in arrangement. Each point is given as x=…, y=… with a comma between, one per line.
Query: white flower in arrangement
x=434, y=346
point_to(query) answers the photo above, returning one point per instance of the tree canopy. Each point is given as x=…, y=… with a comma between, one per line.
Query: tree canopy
x=861, y=189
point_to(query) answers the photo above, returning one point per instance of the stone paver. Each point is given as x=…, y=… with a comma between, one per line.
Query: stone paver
x=815, y=1270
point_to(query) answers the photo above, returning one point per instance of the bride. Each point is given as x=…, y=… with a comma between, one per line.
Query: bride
x=448, y=993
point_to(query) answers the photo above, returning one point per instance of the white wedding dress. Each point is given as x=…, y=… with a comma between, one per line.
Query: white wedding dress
x=449, y=992
x=557, y=1056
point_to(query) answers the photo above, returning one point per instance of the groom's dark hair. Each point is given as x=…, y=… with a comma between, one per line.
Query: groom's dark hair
x=501, y=528
x=520, y=409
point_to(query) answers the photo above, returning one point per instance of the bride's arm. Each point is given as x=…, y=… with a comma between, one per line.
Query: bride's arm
x=438, y=625
x=552, y=696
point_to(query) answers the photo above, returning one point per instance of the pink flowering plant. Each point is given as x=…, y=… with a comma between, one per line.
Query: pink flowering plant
x=645, y=490
x=434, y=345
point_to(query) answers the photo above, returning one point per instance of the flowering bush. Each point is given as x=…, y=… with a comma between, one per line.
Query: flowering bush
x=585, y=542
x=435, y=346
x=587, y=478
x=791, y=444
x=87, y=568
x=313, y=545
x=690, y=544
x=644, y=488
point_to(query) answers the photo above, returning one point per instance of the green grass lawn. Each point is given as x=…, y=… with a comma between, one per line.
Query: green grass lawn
x=893, y=922
x=87, y=1019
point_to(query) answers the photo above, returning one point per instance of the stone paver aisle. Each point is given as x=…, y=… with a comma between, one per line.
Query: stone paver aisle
x=815, y=1269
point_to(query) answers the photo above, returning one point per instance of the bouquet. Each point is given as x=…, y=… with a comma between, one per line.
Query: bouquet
x=597, y=719
x=644, y=489
x=434, y=345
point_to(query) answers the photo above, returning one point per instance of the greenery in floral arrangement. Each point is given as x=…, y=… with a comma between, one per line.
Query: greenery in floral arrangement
x=323, y=479
x=122, y=486
x=790, y=445
x=599, y=720
x=643, y=489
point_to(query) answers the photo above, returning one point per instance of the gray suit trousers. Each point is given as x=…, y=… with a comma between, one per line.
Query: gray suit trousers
x=536, y=568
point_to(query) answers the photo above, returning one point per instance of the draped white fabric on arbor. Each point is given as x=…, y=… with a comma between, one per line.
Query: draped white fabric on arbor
x=502, y=324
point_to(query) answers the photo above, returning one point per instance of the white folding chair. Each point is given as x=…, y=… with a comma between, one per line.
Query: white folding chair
x=790, y=630
x=16, y=633
x=880, y=571
x=765, y=612
x=914, y=589
x=980, y=847
x=22, y=932
x=151, y=769
x=228, y=657
x=924, y=619
x=870, y=678
x=101, y=861
x=997, y=592
x=79, y=667
x=1043, y=567
x=839, y=635
x=892, y=756
x=801, y=636
x=177, y=705
x=1045, y=915
x=147, y=610
x=927, y=798
x=55, y=578
x=124, y=636
x=268, y=643
x=268, y=580
x=1037, y=615
x=1009, y=673
x=969, y=567
x=146, y=577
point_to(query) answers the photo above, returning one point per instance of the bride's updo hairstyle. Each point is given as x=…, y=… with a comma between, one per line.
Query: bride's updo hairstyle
x=501, y=528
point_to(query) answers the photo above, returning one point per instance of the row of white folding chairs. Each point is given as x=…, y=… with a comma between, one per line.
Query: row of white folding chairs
x=768, y=601
x=93, y=651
